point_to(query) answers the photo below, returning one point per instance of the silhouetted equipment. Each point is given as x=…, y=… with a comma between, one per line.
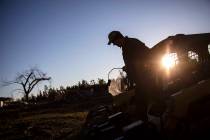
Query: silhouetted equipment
x=181, y=43
x=184, y=112
x=191, y=54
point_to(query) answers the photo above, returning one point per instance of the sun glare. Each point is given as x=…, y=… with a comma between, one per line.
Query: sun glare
x=167, y=61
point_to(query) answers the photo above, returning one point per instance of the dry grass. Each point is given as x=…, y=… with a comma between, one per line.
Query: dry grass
x=55, y=121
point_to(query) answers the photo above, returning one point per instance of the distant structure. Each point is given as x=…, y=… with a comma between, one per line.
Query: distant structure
x=4, y=101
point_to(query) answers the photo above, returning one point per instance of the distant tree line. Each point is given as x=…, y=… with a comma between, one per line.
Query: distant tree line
x=78, y=92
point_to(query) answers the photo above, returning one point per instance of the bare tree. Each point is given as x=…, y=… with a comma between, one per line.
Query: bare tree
x=28, y=80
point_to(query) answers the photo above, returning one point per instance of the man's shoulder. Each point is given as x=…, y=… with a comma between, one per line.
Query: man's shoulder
x=134, y=42
x=132, y=39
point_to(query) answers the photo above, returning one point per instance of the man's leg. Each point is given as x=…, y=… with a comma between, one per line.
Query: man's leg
x=140, y=102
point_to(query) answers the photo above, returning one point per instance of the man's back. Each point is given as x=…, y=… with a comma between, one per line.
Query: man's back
x=134, y=51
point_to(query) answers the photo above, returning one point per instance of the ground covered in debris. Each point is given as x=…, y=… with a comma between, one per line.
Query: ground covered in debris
x=45, y=121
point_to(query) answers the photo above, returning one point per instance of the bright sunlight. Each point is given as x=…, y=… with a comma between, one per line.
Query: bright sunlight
x=168, y=61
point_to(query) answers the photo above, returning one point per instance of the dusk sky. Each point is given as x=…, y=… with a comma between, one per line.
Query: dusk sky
x=68, y=39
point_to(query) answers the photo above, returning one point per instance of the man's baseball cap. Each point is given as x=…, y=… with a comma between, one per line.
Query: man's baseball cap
x=113, y=36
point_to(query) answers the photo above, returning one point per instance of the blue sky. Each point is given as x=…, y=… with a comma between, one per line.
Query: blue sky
x=68, y=39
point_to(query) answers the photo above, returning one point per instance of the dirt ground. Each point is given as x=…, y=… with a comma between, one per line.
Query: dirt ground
x=45, y=123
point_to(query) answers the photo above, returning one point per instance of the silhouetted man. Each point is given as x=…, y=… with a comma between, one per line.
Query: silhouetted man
x=135, y=55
